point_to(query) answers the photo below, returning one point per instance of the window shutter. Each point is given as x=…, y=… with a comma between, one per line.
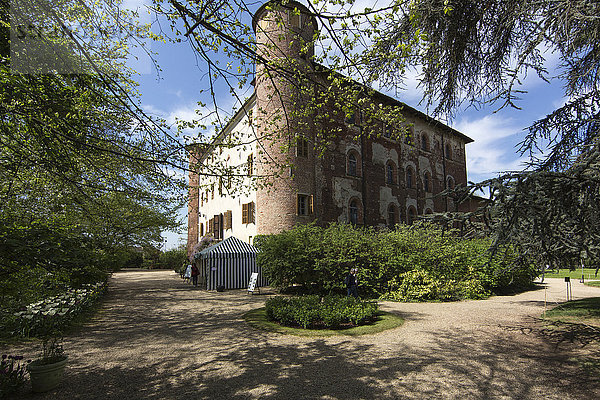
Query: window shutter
x=251, y=212
x=311, y=205
x=228, y=219
x=245, y=213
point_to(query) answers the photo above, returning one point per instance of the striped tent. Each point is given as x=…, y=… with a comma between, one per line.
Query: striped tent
x=230, y=264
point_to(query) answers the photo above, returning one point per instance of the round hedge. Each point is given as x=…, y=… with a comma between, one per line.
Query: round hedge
x=320, y=312
x=382, y=321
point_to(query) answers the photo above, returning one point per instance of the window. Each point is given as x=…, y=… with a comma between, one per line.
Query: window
x=387, y=131
x=201, y=229
x=448, y=151
x=389, y=173
x=428, y=211
x=221, y=186
x=424, y=143
x=409, y=177
x=248, y=213
x=301, y=147
x=250, y=164
x=294, y=18
x=450, y=182
x=212, y=191
x=427, y=182
x=411, y=215
x=304, y=205
x=352, y=164
x=392, y=216
x=353, y=212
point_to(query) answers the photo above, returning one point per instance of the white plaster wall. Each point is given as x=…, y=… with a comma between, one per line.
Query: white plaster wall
x=234, y=156
x=381, y=155
x=342, y=193
x=385, y=198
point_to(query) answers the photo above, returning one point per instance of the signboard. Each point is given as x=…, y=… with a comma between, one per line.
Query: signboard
x=252, y=283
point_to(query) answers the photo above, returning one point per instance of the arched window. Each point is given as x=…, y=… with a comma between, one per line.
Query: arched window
x=448, y=151
x=353, y=212
x=428, y=211
x=450, y=182
x=390, y=176
x=352, y=164
x=427, y=182
x=409, y=177
x=411, y=215
x=392, y=216
x=424, y=143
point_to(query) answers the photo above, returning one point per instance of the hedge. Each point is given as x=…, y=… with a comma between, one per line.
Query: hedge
x=410, y=263
x=312, y=311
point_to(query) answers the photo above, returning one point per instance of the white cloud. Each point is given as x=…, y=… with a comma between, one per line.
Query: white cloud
x=490, y=153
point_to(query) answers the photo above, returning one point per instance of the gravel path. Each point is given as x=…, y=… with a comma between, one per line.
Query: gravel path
x=156, y=337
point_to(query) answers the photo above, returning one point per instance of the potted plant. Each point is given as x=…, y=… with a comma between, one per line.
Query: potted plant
x=46, y=372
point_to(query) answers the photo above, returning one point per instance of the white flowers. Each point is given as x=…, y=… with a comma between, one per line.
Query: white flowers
x=54, y=312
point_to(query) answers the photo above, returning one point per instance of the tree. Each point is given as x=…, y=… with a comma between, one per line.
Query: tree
x=83, y=174
x=479, y=52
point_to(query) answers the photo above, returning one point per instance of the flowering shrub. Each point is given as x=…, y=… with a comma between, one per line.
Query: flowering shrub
x=12, y=374
x=51, y=315
x=316, y=312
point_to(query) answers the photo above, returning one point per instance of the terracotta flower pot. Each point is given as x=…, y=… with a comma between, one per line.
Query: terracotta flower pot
x=46, y=377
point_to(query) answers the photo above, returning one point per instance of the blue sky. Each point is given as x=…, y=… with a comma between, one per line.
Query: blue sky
x=175, y=91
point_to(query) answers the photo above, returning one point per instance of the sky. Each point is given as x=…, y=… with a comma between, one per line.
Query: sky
x=175, y=90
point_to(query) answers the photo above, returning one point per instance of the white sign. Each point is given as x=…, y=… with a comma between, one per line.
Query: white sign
x=252, y=283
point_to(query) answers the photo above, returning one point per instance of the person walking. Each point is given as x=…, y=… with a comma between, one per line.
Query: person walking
x=195, y=273
x=188, y=273
x=351, y=283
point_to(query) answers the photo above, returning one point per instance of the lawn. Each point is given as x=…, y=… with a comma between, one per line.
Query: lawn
x=588, y=273
x=584, y=311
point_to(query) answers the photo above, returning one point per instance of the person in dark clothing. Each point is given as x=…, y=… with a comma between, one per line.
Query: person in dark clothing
x=195, y=274
x=352, y=283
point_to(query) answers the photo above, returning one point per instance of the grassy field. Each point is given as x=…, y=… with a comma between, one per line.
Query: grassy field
x=587, y=272
x=584, y=311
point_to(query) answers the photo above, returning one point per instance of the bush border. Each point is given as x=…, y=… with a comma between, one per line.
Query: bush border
x=257, y=318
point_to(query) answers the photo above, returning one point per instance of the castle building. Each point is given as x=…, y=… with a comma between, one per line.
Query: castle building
x=375, y=179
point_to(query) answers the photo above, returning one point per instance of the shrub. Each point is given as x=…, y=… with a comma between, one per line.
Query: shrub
x=450, y=267
x=12, y=374
x=313, y=311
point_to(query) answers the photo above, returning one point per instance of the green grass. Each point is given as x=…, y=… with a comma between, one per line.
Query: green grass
x=576, y=274
x=258, y=319
x=585, y=311
x=593, y=283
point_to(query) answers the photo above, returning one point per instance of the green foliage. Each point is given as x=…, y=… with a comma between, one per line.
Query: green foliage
x=12, y=374
x=173, y=259
x=50, y=316
x=314, y=311
x=412, y=263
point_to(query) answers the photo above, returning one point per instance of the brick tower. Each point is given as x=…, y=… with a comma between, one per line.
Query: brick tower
x=284, y=36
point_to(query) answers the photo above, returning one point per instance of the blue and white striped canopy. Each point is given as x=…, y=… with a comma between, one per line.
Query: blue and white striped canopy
x=229, y=246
